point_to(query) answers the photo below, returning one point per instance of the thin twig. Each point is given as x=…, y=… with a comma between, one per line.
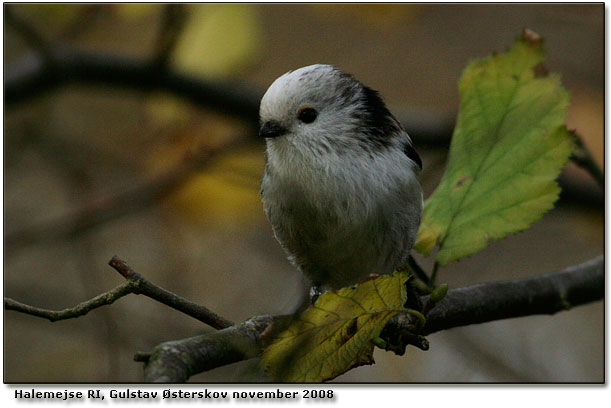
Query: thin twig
x=178, y=360
x=144, y=287
x=434, y=274
x=583, y=158
x=417, y=270
x=136, y=284
x=79, y=310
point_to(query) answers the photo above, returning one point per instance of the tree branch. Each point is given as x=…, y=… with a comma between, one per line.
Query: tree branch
x=76, y=311
x=176, y=361
x=136, y=284
x=173, y=17
x=114, y=206
x=546, y=294
x=173, y=361
x=144, y=287
x=28, y=32
x=31, y=76
x=583, y=158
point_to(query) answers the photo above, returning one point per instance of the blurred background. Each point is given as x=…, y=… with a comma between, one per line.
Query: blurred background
x=105, y=104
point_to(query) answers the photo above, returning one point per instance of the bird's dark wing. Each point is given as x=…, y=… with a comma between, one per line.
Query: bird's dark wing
x=409, y=150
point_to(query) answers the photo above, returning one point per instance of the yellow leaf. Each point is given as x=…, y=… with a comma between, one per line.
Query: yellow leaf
x=218, y=39
x=335, y=334
x=224, y=194
x=211, y=199
x=427, y=238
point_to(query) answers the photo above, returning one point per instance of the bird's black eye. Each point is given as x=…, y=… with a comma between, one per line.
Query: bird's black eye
x=307, y=114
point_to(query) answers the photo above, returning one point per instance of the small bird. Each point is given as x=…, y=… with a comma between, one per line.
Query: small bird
x=340, y=186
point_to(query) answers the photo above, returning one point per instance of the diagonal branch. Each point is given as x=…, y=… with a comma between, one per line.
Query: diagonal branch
x=31, y=76
x=28, y=32
x=583, y=158
x=128, y=201
x=144, y=287
x=136, y=284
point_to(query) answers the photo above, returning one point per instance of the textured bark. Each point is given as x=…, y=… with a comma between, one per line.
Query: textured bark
x=176, y=361
x=546, y=294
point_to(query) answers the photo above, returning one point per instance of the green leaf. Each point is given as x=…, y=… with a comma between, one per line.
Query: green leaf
x=337, y=333
x=508, y=147
x=439, y=293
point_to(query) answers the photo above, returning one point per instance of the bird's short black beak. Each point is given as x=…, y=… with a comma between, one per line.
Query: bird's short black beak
x=271, y=129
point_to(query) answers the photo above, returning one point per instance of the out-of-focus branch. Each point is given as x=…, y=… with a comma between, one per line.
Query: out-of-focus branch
x=136, y=284
x=86, y=17
x=176, y=361
x=117, y=205
x=30, y=77
x=28, y=32
x=173, y=17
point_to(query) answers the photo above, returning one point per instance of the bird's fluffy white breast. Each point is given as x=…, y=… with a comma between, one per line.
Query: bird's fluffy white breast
x=351, y=186
x=339, y=219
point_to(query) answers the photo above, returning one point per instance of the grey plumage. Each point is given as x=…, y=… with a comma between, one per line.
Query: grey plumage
x=340, y=185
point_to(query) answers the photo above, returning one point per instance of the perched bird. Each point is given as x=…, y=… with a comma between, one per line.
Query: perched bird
x=340, y=186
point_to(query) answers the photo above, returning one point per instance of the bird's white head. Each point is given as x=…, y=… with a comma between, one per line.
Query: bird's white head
x=326, y=111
